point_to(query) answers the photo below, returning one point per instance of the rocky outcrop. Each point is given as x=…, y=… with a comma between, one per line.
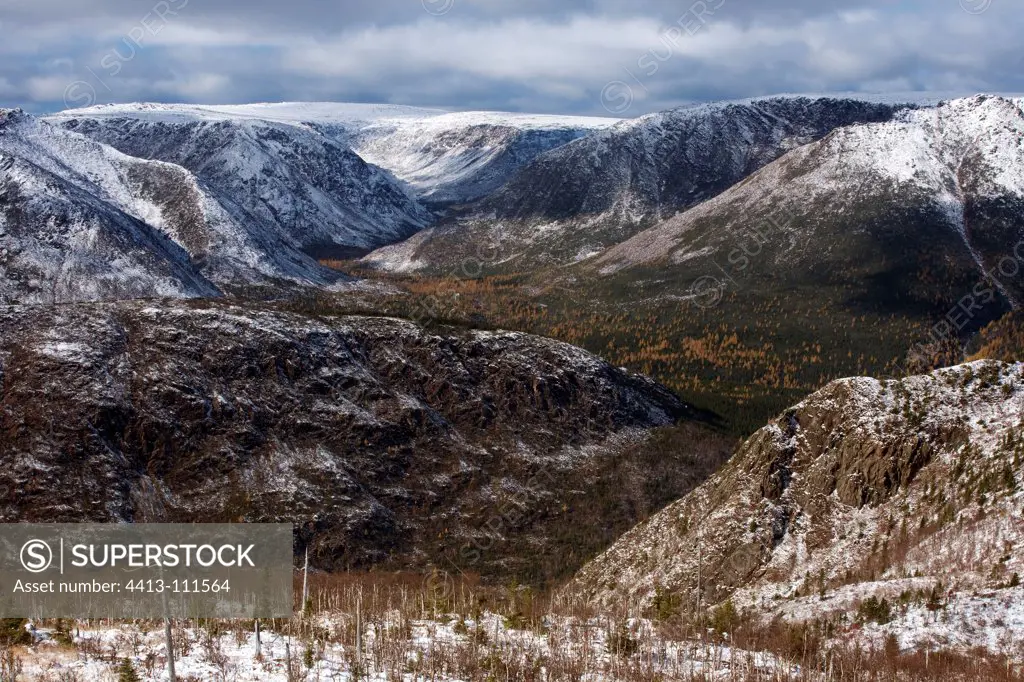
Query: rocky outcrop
x=864, y=481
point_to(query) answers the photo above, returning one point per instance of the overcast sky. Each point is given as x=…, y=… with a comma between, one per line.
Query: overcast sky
x=555, y=56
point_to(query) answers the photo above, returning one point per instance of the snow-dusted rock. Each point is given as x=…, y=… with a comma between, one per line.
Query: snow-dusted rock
x=72, y=228
x=927, y=205
x=384, y=441
x=889, y=485
x=442, y=157
x=460, y=157
x=291, y=185
x=84, y=221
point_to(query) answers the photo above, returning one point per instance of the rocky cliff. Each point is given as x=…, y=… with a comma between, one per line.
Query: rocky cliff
x=866, y=488
x=386, y=443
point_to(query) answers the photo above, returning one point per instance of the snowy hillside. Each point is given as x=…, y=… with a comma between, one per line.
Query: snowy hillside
x=922, y=149
x=72, y=228
x=575, y=200
x=865, y=489
x=285, y=183
x=460, y=157
x=292, y=185
x=66, y=192
x=944, y=184
x=281, y=112
x=444, y=157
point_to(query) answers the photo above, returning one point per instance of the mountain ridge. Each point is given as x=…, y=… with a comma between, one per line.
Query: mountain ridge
x=960, y=162
x=444, y=157
x=113, y=188
x=575, y=200
x=289, y=184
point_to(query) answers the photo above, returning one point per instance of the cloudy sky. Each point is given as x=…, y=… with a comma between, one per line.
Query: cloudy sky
x=580, y=56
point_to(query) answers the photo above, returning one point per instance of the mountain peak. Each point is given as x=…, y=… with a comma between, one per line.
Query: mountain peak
x=12, y=117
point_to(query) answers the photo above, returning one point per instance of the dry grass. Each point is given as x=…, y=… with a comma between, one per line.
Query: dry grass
x=402, y=626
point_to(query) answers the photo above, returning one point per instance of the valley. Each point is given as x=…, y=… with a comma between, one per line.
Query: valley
x=730, y=391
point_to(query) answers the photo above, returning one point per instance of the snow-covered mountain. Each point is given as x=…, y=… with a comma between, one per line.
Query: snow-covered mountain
x=443, y=157
x=73, y=228
x=460, y=157
x=572, y=202
x=283, y=182
x=292, y=184
x=83, y=221
x=926, y=205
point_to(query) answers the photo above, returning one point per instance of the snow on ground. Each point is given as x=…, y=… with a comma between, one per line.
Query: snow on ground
x=463, y=156
x=281, y=112
x=993, y=620
x=422, y=649
x=425, y=650
x=340, y=113
x=922, y=98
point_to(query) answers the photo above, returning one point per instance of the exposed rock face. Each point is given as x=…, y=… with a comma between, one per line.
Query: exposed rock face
x=865, y=481
x=386, y=443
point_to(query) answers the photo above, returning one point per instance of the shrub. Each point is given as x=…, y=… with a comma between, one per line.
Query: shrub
x=874, y=610
x=308, y=657
x=12, y=632
x=665, y=605
x=622, y=643
x=935, y=599
x=725, y=618
x=62, y=633
x=126, y=672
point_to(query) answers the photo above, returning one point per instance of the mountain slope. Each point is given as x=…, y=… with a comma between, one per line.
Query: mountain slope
x=71, y=229
x=62, y=187
x=573, y=201
x=854, y=255
x=292, y=186
x=1001, y=340
x=444, y=157
x=944, y=186
x=461, y=157
x=385, y=442
x=866, y=488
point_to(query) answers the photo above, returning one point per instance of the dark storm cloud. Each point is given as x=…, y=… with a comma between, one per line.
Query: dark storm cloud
x=587, y=56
